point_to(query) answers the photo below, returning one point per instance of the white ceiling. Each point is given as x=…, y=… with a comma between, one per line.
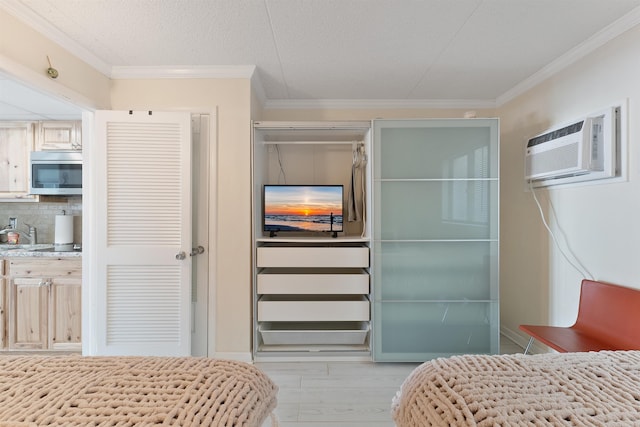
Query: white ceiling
x=398, y=52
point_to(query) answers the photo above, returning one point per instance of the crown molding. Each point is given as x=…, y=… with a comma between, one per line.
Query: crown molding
x=599, y=39
x=364, y=104
x=184, y=72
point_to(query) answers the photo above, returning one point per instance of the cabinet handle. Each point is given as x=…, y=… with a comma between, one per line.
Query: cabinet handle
x=181, y=255
x=45, y=282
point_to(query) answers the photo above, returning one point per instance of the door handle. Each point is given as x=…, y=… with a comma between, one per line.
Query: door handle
x=181, y=255
x=197, y=251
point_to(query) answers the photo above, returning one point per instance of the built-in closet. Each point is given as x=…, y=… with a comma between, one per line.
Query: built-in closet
x=414, y=273
x=312, y=289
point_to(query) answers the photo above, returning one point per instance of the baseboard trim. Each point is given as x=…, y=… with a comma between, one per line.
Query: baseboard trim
x=522, y=340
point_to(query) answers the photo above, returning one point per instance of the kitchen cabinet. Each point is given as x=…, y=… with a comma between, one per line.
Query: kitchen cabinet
x=27, y=314
x=44, y=303
x=65, y=304
x=59, y=135
x=16, y=142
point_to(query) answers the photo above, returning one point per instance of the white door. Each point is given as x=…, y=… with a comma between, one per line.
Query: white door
x=140, y=198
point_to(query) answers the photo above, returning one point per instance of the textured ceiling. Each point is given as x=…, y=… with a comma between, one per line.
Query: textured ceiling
x=356, y=50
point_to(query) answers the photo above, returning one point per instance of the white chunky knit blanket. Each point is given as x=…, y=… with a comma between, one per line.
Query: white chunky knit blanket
x=568, y=389
x=132, y=391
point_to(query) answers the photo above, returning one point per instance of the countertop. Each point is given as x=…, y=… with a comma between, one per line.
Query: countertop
x=39, y=250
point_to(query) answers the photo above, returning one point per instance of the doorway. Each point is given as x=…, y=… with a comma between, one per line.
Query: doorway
x=203, y=151
x=204, y=207
x=155, y=169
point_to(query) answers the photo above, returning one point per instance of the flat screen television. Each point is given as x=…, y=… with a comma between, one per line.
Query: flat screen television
x=303, y=208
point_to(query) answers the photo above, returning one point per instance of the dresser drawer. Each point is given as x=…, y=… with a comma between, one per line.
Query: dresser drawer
x=305, y=281
x=283, y=309
x=314, y=333
x=313, y=257
x=45, y=267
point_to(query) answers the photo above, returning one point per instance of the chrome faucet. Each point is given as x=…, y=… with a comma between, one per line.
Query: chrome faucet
x=32, y=234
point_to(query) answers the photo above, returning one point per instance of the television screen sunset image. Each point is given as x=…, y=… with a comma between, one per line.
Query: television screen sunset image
x=303, y=208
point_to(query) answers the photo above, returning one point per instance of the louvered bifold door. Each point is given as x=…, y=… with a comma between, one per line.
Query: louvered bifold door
x=143, y=219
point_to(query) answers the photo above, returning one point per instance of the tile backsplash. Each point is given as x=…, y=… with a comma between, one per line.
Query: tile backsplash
x=42, y=216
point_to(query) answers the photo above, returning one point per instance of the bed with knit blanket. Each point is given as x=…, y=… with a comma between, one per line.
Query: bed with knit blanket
x=551, y=389
x=133, y=391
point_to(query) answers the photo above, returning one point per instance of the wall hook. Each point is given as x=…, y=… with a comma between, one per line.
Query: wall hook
x=51, y=72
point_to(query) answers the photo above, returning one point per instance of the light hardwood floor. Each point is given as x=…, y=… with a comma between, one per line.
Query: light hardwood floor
x=341, y=394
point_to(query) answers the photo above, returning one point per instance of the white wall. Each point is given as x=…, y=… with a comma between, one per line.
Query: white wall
x=600, y=222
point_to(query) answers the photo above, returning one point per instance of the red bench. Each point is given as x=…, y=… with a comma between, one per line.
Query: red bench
x=608, y=319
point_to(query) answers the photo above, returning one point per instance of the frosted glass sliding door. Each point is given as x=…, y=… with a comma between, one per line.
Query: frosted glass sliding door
x=436, y=245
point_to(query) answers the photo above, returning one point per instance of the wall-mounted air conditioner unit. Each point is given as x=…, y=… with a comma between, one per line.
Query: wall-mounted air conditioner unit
x=585, y=149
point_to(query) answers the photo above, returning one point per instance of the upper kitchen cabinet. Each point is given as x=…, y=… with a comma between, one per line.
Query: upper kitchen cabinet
x=16, y=142
x=59, y=135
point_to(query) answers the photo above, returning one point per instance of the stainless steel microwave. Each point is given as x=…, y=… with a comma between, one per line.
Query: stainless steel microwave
x=56, y=172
